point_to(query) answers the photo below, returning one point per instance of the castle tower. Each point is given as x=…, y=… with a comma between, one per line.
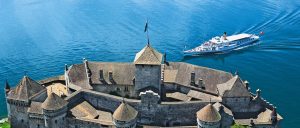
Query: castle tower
x=19, y=99
x=148, y=70
x=125, y=116
x=55, y=111
x=208, y=117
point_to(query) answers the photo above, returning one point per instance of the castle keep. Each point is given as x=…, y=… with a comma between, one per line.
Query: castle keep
x=149, y=92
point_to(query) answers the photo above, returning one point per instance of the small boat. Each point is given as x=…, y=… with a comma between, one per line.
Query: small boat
x=224, y=44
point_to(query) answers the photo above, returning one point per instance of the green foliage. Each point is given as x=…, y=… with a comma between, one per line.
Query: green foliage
x=5, y=125
x=238, y=126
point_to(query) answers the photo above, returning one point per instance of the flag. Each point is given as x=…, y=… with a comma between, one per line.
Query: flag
x=146, y=26
x=261, y=33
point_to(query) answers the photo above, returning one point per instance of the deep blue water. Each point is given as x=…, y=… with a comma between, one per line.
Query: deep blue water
x=40, y=36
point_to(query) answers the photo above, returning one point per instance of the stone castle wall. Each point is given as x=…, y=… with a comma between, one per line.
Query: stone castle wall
x=155, y=113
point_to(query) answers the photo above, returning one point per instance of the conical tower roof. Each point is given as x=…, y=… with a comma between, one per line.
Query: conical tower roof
x=209, y=114
x=148, y=56
x=53, y=102
x=125, y=112
x=26, y=89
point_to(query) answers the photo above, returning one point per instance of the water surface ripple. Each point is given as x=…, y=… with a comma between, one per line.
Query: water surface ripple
x=40, y=36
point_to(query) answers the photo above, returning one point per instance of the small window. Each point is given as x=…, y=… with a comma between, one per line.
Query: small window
x=55, y=121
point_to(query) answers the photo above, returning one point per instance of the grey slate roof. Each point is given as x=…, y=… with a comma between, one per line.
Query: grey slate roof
x=54, y=102
x=35, y=107
x=180, y=73
x=84, y=110
x=123, y=73
x=234, y=87
x=25, y=89
x=209, y=114
x=178, y=96
x=78, y=76
x=148, y=56
x=125, y=112
x=201, y=96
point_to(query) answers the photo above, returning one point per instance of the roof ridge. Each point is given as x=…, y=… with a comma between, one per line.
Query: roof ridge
x=153, y=52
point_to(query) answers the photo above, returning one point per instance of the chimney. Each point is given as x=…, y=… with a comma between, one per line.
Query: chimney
x=101, y=75
x=110, y=76
x=66, y=67
x=193, y=79
x=236, y=73
x=258, y=93
x=165, y=58
x=201, y=83
x=252, y=123
x=247, y=84
x=221, y=108
x=274, y=115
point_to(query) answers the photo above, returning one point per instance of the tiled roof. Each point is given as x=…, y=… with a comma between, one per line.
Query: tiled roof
x=122, y=73
x=125, y=112
x=201, y=96
x=84, y=110
x=209, y=114
x=148, y=56
x=54, y=102
x=35, y=107
x=25, y=89
x=178, y=96
x=180, y=73
x=234, y=87
x=77, y=76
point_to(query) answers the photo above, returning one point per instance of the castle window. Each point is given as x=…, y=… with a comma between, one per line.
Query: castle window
x=126, y=88
x=22, y=120
x=55, y=121
x=118, y=89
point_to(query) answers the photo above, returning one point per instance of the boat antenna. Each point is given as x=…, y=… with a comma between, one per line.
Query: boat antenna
x=146, y=30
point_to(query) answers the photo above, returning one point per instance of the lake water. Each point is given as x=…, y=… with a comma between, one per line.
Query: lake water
x=40, y=36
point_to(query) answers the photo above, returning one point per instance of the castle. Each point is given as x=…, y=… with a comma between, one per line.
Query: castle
x=150, y=92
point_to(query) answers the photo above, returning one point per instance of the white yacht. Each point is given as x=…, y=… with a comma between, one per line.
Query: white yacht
x=224, y=44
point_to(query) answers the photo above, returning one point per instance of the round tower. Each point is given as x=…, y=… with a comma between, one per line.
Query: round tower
x=125, y=116
x=55, y=110
x=208, y=117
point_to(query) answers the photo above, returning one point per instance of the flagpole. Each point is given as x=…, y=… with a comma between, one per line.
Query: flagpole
x=148, y=43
